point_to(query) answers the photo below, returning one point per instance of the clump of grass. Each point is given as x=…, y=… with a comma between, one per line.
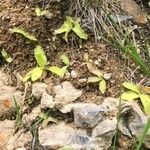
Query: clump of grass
x=103, y=19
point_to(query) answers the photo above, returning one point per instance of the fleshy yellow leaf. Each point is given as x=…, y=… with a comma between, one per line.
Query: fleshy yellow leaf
x=40, y=56
x=58, y=71
x=66, y=148
x=47, y=120
x=25, y=34
x=27, y=76
x=79, y=31
x=96, y=72
x=131, y=86
x=94, y=79
x=66, y=27
x=145, y=100
x=6, y=56
x=65, y=59
x=40, y=12
x=129, y=96
x=36, y=73
x=102, y=86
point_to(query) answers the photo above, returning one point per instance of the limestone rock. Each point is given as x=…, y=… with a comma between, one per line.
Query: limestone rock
x=47, y=101
x=6, y=130
x=38, y=88
x=29, y=118
x=132, y=8
x=66, y=93
x=56, y=136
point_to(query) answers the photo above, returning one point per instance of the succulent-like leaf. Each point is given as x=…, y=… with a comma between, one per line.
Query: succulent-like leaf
x=94, y=79
x=66, y=148
x=40, y=12
x=65, y=59
x=131, y=86
x=36, y=73
x=6, y=56
x=129, y=96
x=58, y=71
x=66, y=27
x=102, y=86
x=79, y=31
x=96, y=72
x=27, y=76
x=24, y=33
x=47, y=120
x=145, y=100
x=40, y=56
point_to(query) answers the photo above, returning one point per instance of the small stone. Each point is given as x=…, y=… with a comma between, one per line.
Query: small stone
x=38, y=88
x=66, y=93
x=132, y=119
x=107, y=76
x=73, y=74
x=48, y=15
x=82, y=80
x=96, y=62
x=29, y=118
x=47, y=101
x=103, y=134
x=4, y=79
x=133, y=9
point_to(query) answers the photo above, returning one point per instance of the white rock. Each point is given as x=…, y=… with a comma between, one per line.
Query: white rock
x=38, y=88
x=66, y=93
x=6, y=130
x=74, y=74
x=107, y=76
x=47, y=101
x=29, y=118
x=69, y=107
x=19, y=140
x=56, y=136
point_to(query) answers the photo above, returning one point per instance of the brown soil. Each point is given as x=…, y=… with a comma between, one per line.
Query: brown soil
x=21, y=13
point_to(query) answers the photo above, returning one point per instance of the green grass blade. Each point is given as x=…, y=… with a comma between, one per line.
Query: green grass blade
x=146, y=128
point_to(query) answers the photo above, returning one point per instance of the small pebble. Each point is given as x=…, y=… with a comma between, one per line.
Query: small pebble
x=107, y=76
x=74, y=74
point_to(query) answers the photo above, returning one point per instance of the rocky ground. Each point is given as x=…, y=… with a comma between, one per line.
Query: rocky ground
x=52, y=112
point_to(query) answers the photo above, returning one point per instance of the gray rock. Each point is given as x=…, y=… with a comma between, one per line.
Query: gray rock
x=66, y=93
x=132, y=119
x=56, y=136
x=47, y=101
x=87, y=116
x=102, y=135
x=70, y=107
x=38, y=88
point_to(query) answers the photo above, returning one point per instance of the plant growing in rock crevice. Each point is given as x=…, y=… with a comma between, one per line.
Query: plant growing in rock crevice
x=99, y=76
x=61, y=71
x=134, y=92
x=41, y=60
